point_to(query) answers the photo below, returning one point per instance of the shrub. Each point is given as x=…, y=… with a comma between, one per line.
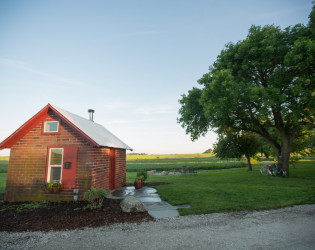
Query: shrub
x=293, y=161
x=29, y=206
x=95, y=197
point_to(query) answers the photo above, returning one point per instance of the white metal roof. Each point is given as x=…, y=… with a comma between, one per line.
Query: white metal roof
x=95, y=131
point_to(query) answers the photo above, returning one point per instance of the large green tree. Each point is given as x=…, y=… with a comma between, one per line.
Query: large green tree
x=263, y=84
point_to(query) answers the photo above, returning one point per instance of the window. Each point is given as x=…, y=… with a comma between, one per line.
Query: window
x=57, y=156
x=51, y=127
x=55, y=165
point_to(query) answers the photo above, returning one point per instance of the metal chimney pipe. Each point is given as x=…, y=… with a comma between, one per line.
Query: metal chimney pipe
x=91, y=112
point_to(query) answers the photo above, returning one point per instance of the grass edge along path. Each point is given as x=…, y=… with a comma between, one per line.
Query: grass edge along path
x=237, y=189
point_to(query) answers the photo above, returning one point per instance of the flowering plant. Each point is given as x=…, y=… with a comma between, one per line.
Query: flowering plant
x=51, y=187
x=57, y=184
x=52, y=184
x=139, y=179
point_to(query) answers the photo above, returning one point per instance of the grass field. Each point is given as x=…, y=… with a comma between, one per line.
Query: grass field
x=237, y=189
x=171, y=162
x=167, y=156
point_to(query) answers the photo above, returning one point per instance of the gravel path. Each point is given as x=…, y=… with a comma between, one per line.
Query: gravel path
x=286, y=228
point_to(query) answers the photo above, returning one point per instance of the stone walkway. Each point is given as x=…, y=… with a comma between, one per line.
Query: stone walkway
x=155, y=206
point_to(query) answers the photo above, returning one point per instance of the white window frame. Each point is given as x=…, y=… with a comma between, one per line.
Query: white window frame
x=54, y=166
x=51, y=131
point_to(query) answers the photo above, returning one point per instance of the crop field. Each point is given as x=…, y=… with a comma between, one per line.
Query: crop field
x=177, y=162
x=166, y=156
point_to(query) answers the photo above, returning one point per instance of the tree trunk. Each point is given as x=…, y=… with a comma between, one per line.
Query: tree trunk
x=249, y=164
x=286, y=149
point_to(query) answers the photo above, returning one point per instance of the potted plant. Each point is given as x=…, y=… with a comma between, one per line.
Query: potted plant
x=141, y=177
x=53, y=187
x=57, y=187
x=138, y=182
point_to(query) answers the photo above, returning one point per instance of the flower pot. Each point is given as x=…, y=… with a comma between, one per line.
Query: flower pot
x=49, y=190
x=138, y=185
x=57, y=189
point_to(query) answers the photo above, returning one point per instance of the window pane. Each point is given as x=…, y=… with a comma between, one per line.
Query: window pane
x=51, y=126
x=56, y=156
x=55, y=174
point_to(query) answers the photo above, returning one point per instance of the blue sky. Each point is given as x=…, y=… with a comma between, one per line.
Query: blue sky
x=128, y=60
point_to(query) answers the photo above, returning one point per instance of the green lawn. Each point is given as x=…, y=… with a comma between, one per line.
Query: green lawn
x=237, y=189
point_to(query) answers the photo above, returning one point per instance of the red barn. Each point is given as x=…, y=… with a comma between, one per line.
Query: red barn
x=58, y=146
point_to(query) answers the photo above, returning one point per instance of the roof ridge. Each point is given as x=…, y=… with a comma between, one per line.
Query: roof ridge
x=95, y=131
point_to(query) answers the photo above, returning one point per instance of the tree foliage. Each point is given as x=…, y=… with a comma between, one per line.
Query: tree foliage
x=263, y=84
x=235, y=145
x=208, y=151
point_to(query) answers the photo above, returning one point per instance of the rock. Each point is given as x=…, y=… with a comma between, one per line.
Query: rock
x=132, y=204
x=164, y=173
x=151, y=172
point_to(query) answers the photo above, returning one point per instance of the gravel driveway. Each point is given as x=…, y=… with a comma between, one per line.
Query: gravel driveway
x=286, y=228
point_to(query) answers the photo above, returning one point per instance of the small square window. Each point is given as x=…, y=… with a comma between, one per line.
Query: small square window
x=51, y=127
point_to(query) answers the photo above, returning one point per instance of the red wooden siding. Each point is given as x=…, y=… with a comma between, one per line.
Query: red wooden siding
x=100, y=168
